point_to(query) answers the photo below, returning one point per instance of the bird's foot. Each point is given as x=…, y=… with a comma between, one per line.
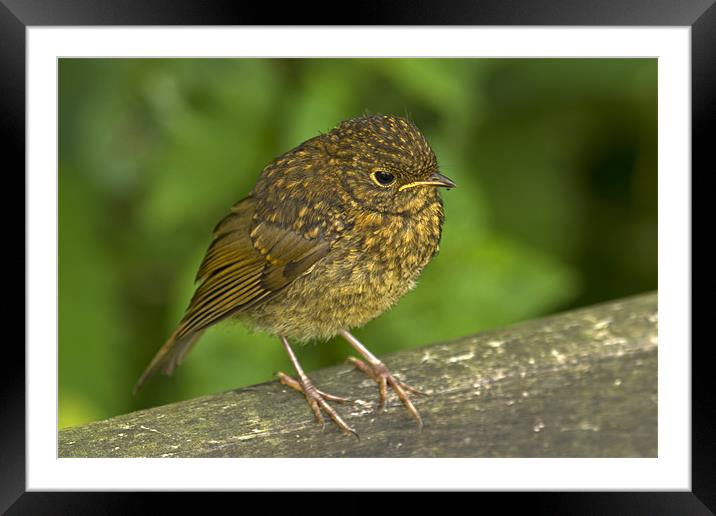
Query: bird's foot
x=382, y=375
x=318, y=401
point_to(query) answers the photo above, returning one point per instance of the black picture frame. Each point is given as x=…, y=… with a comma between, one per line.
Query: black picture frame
x=17, y=15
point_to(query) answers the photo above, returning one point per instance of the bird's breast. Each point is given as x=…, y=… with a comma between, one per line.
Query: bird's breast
x=381, y=257
x=375, y=261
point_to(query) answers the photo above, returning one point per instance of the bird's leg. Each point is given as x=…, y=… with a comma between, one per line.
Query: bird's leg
x=382, y=375
x=317, y=399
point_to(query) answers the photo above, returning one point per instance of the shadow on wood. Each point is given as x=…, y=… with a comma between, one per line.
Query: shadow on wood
x=578, y=384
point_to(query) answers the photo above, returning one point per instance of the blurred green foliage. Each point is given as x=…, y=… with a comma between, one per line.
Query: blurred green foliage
x=555, y=161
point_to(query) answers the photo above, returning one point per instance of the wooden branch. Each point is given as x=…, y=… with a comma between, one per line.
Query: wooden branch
x=578, y=384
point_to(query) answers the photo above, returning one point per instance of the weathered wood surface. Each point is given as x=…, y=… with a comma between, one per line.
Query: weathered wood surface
x=578, y=384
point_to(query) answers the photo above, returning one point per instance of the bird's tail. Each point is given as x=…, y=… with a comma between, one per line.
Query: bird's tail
x=170, y=355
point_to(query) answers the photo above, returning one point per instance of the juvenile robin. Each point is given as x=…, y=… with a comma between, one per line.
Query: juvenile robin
x=334, y=232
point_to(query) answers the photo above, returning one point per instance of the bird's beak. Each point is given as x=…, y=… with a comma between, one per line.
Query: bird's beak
x=436, y=179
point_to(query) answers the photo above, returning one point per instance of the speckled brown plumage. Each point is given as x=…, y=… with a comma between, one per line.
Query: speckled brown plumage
x=332, y=235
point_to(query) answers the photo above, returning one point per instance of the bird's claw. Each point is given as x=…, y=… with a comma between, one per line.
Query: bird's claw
x=382, y=375
x=318, y=401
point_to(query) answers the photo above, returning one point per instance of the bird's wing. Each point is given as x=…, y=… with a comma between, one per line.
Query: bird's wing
x=247, y=262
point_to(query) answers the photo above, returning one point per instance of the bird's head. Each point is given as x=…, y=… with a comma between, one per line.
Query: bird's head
x=385, y=163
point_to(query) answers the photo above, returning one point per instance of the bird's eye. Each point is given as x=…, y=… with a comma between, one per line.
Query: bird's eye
x=383, y=178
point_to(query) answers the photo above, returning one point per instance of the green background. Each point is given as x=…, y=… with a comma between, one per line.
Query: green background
x=556, y=205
